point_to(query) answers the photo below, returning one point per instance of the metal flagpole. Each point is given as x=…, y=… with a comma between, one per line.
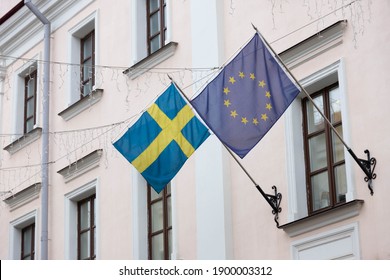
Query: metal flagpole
x=365, y=165
x=273, y=200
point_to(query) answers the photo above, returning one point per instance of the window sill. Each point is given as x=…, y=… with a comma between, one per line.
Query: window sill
x=24, y=141
x=334, y=215
x=26, y=195
x=151, y=61
x=81, y=166
x=81, y=105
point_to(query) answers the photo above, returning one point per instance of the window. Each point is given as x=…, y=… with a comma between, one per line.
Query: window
x=86, y=228
x=28, y=245
x=87, y=63
x=324, y=152
x=82, y=222
x=156, y=24
x=160, y=224
x=30, y=96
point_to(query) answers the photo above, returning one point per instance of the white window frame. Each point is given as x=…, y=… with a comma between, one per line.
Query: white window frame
x=15, y=234
x=140, y=217
x=71, y=200
x=297, y=198
x=139, y=25
x=76, y=33
x=19, y=95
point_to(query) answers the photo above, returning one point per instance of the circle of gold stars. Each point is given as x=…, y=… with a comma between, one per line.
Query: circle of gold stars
x=233, y=113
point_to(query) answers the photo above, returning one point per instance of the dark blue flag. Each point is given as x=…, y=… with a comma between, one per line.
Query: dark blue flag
x=246, y=98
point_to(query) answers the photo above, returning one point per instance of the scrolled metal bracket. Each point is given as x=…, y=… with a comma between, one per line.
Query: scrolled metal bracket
x=368, y=167
x=274, y=201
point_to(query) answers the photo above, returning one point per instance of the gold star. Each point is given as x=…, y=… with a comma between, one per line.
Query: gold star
x=268, y=106
x=264, y=117
x=227, y=103
x=233, y=113
x=252, y=76
x=244, y=120
x=226, y=90
x=262, y=84
x=241, y=74
x=255, y=121
x=268, y=94
x=232, y=80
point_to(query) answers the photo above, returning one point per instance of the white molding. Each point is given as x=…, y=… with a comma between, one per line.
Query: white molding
x=81, y=105
x=336, y=244
x=315, y=45
x=151, y=61
x=81, y=166
x=23, y=30
x=23, y=197
x=70, y=216
x=24, y=141
x=334, y=215
x=15, y=234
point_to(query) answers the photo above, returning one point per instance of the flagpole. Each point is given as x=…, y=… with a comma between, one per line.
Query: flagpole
x=365, y=165
x=273, y=200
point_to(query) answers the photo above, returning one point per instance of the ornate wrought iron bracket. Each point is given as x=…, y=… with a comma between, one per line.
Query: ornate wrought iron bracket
x=274, y=201
x=368, y=167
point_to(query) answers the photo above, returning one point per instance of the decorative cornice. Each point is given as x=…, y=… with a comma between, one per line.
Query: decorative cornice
x=314, y=45
x=81, y=105
x=81, y=166
x=23, y=141
x=151, y=61
x=24, y=196
x=334, y=215
x=23, y=30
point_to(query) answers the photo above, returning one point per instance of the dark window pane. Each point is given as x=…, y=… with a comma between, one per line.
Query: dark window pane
x=314, y=118
x=337, y=145
x=158, y=247
x=341, y=183
x=155, y=24
x=155, y=44
x=317, y=151
x=29, y=125
x=335, y=106
x=320, y=191
x=154, y=5
x=157, y=216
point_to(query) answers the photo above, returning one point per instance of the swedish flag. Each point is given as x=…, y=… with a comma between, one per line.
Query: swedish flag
x=162, y=139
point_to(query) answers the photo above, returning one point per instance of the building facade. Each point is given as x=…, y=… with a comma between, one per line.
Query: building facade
x=108, y=63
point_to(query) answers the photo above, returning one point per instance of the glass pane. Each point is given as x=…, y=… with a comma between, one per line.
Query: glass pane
x=94, y=240
x=158, y=247
x=84, y=245
x=165, y=17
x=155, y=23
x=30, y=107
x=337, y=145
x=29, y=125
x=84, y=215
x=169, y=188
x=341, y=183
x=87, y=69
x=87, y=47
x=320, y=191
x=154, y=195
x=155, y=44
x=315, y=121
x=86, y=89
x=335, y=106
x=31, y=86
x=154, y=4
x=27, y=240
x=170, y=243
x=169, y=206
x=317, y=151
x=157, y=216
x=94, y=211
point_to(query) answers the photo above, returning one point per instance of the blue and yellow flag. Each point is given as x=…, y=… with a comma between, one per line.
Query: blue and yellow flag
x=246, y=98
x=162, y=139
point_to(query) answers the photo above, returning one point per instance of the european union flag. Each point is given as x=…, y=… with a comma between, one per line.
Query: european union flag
x=246, y=98
x=162, y=139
